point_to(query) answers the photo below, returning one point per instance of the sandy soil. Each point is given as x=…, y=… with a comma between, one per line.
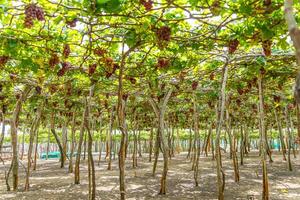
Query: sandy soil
x=52, y=182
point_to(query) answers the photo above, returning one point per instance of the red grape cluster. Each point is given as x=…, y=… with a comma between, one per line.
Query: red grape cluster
x=92, y=69
x=212, y=76
x=266, y=45
x=147, y=4
x=276, y=98
x=164, y=33
x=54, y=60
x=267, y=2
x=99, y=51
x=163, y=63
x=66, y=51
x=38, y=89
x=64, y=69
x=232, y=46
x=194, y=85
x=240, y=91
x=262, y=71
x=72, y=23
x=32, y=12
x=52, y=89
x=125, y=96
x=131, y=79
x=3, y=60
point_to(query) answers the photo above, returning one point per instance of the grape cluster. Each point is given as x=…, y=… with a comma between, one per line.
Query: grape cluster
x=99, y=51
x=109, y=62
x=72, y=23
x=238, y=102
x=52, y=89
x=262, y=71
x=33, y=12
x=276, y=98
x=3, y=60
x=267, y=2
x=194, y=85
x=266, y=45
x=240, y=91
x=64, y=69
x=163, y=35
x=131, y=79
x=212, y=76
x=125, y=96
x=147, y=4
x=92, y=69
x=38, y=89
x=54, y=60
x=66, y=51
x=163, y=63
x=232, y=46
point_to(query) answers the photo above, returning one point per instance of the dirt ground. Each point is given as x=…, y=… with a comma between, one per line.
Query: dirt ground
x=52, y=182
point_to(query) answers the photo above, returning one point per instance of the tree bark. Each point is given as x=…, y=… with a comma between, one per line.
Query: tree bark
x=265, y=192
x=33, y=131
x=278, y=120
x=14, y=135
x=160, y=112
x=288, y=138
x=62, y=160
x=72, y=142
x=220, y=116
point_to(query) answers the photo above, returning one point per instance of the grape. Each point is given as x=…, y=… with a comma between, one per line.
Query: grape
x=147, y=4
x=66, y=51
x=162, y=63
x=164, y=33
x=125, y=97
x=194, y=85
x=92, y=69
x=72, y=23
x=99, y=51
x=38, y=89
x=33, y=12
x=276, y=98
x=3, y=60
x=240, y=91
x=232, y=46
x=64, y=69
x=54, y=60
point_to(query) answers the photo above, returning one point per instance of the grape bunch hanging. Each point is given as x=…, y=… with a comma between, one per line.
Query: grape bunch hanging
x=232, y=46
x=163, y=35
x=54, y=60
x=66, y=51
x=99, y=51
x=162, y=63
x=147, y=4
x=72, y=23
x=65, y=67
x=194, y=85
x=92, y=69
x=3, y=60
x=33, y=12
